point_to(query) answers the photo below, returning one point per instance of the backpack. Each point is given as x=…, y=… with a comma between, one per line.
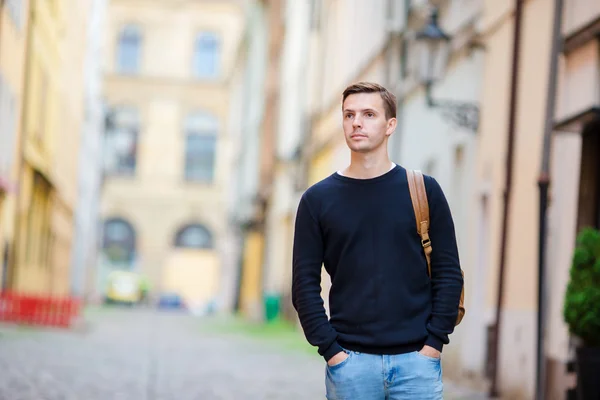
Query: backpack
x=418, y=195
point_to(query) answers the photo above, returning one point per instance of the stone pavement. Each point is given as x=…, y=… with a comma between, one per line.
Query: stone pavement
x=145, y=355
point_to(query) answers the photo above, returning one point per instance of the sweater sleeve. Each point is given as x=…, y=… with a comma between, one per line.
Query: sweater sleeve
x=306, y=282
x=446, y=276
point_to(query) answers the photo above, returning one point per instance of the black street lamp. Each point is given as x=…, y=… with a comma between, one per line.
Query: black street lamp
x=433, y=49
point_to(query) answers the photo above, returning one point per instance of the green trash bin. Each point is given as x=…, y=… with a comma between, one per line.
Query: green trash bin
x=272, y=303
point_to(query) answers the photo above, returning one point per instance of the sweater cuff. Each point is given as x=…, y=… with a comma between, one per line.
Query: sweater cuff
x=332, y=350
x=434, y=342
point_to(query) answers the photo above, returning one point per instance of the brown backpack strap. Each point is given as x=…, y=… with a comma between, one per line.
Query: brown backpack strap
x=418, y=195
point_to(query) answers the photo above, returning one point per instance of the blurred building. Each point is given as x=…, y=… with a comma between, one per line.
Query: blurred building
x=52, y=116
x=13, y=34
x=574, y=172
x=504, y=198
x=522, y=148
x=87, y=221
x=246, y=205
x=292, y=126
x=166, y=143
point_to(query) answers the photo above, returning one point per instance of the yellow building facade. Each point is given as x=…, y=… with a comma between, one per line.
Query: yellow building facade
x=162, y=202
x=51, y=124
x=13, y=34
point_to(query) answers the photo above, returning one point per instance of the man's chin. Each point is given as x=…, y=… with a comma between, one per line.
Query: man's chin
x=361, y=149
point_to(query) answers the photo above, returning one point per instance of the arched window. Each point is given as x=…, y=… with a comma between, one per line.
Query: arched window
x=118, y=242
x=206, y=55
x=200, y=146
x=121, y=141
x=129, y=50
x=194, y=236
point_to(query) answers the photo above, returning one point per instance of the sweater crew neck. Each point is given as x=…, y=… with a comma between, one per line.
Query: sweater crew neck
x=382, y=177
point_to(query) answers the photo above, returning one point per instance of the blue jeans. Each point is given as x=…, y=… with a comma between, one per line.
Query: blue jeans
x=363, y=376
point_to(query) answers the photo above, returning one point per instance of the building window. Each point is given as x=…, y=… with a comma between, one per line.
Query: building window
x=206, y=55
x=129, y=50
x=118, y=242
x=194, y=236
x=200, y=147
x=121, y=138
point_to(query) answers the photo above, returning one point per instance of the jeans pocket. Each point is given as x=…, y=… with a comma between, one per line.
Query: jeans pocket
x=340, y=364
x=428, y=369
x=436, y=359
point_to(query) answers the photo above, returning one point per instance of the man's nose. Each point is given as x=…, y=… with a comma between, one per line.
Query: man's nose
x=357, y=122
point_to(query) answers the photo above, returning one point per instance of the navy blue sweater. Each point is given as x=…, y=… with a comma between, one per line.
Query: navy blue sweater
x=382, y=300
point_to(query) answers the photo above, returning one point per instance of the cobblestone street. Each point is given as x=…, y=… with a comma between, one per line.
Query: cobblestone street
x=138, y=355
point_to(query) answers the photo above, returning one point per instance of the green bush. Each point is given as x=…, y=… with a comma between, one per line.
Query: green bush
x=582, y=299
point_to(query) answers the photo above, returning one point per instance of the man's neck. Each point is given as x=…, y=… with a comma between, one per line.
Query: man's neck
x=367, y=166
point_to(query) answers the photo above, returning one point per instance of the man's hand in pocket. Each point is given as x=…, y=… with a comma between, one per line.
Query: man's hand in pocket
x=430, y=352
x=337, y=359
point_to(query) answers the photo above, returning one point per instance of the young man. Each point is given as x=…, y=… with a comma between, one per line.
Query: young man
x=389, y=320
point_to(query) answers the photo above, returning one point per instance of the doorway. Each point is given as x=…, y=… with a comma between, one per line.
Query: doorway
x=589, y=183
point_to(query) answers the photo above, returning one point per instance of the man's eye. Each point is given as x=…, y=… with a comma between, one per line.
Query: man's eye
x=370, y=115
x=348, y=115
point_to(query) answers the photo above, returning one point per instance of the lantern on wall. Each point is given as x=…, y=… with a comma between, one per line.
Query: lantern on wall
x=433, y=47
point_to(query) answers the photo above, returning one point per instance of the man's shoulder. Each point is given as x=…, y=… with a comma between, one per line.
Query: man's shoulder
x=434, y=190
x=320, y=188
x=431, y=183
x=432, y=186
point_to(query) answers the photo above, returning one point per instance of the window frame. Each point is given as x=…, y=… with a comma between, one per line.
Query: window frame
x=130, y=35
x=129, y=243
x=208, y=244
x=204, y=125
x=113, y=130
x=202, y=55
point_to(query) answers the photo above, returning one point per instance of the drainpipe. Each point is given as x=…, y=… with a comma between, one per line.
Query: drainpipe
x=544, y=183
x=507, y=189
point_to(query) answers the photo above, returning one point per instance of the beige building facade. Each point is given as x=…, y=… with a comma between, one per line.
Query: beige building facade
x=515, y=361
x=52, y=114
x=166, y=143
x=13, y=36
x=574, y=190
x=575, y=173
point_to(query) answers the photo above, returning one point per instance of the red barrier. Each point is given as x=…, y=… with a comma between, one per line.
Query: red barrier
x=39, y=310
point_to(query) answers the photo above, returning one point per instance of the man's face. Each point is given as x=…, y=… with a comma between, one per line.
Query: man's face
x=365, y=125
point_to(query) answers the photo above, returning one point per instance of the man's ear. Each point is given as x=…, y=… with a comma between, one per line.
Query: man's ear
x=391, y=126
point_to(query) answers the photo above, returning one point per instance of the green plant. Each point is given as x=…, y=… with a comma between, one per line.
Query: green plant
x=582, y=299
